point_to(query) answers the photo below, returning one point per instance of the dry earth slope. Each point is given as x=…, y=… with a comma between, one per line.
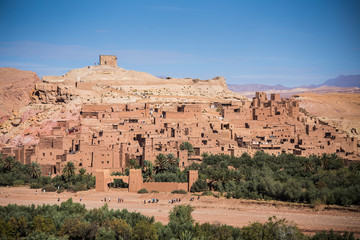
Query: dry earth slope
x=15, y=88
x=341, y=110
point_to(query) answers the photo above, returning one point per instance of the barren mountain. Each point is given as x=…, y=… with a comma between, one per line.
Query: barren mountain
x=343, y=84
x=341, y=110
x=344, y=81
x=255, y=87
x=15, y=90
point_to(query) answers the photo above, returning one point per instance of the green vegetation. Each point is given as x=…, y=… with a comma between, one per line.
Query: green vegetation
x=143, y=190
x=166, y=169
x=73, y=221
x=13, y=173
x=119, y=183
x=187, y=146
x=286, y=177
x=179, y=192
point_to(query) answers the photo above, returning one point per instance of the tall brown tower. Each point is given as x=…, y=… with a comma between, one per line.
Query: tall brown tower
x=108, y=60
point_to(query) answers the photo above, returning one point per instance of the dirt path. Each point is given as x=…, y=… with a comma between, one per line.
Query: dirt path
x=233, y=212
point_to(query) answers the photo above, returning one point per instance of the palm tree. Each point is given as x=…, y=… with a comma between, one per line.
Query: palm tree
x=187, y=146
x=35, y=170
x=82, y=171
x=133, y=163
x=69, y=170
x=161, y=163
x=148, y=171
x=187, y=235
x=9, y=163
x=170, y=158
x=325, y=161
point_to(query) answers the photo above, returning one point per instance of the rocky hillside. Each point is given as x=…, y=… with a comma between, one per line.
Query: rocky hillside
x=109, y=85
x=341, y=110
x=15, y=90
x=62, y=97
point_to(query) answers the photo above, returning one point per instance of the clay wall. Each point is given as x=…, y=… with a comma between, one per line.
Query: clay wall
x=164, y=186
x=108, y=60
x=84, y=85
x=275, y=97
x=135, y=180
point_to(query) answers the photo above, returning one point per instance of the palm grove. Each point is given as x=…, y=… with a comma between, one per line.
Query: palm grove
x=314, y=180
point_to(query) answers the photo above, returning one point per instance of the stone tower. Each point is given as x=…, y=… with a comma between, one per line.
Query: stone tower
x=108, y=60
x=193, y=176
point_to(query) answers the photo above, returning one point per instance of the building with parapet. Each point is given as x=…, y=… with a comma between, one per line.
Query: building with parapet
x=108, y=136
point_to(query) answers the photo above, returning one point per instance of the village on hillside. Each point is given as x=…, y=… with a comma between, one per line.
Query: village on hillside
x=107, y=136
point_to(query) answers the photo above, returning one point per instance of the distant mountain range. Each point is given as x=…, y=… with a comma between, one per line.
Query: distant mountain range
x=343, y=81
x=340, y=81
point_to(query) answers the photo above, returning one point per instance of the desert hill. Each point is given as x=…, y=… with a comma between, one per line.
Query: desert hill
x=15, y=88
x=62, y=97
x=341, y=110
x=108, y=84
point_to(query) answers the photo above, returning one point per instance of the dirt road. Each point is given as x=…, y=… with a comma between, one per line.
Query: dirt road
x=233, y=212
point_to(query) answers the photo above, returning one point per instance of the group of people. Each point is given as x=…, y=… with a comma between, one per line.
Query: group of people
x=171, y=201
x=43, y=191
x=119, y=200
x=193, y=198
x=174, y=200
x=154, y=200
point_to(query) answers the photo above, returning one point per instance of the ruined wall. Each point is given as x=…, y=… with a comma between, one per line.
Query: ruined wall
x=108, y=60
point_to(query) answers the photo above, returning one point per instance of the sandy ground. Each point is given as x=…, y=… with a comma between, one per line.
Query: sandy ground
x=233, y=212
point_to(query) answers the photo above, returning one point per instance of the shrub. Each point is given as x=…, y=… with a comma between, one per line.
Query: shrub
x=18, y=182
x=143, y=190
x=77, y=187
x=181, y=191
x=199, y=186
x=207, y=193
x=35, y=185
x=61, y=189
x=49, y=188
x=154, y=192
x=119, y=183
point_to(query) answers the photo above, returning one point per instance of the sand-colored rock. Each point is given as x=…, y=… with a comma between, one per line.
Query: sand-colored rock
x=107, y=84
x=15, y=88
x=341, y=110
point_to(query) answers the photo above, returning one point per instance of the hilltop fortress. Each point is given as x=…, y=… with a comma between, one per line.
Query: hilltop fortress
x=101, y=116
x=108, y=83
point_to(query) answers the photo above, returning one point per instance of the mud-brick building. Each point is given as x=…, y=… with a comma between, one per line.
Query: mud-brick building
x=108, y=136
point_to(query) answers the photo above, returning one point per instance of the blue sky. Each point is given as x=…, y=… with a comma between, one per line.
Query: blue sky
x=269, y=42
